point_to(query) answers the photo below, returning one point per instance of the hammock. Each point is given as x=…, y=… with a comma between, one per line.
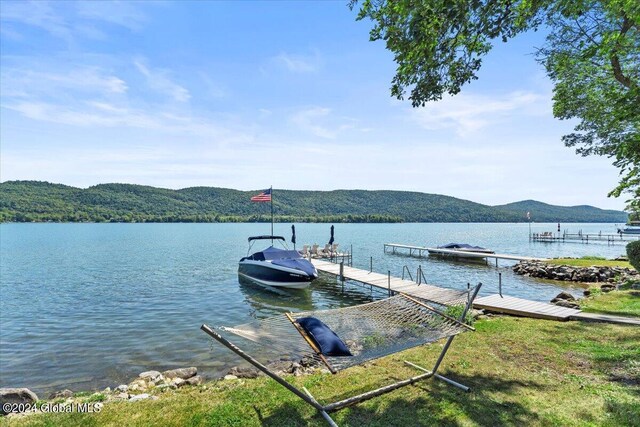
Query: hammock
x=370, y=331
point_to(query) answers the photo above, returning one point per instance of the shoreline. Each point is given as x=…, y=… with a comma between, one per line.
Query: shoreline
x=530, y=370
x=152, y=384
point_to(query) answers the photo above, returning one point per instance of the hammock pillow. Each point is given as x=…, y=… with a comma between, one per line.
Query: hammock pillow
x=327, y=340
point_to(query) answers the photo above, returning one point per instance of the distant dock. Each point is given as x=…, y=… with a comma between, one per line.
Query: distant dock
x=420, y=250
x=586, y=238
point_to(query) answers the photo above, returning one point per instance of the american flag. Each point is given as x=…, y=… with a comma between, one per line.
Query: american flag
x=265, y=196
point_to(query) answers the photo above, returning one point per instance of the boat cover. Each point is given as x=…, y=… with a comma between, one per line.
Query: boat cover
x=275, y=253
x=461, y=246
x=299, y=264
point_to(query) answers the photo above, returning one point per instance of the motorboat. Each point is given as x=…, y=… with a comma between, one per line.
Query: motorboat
x=632, y=227
x=460, y=250
x=277, y=267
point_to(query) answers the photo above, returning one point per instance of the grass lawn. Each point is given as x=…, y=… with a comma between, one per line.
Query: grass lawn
x=522, y=372
x=620, y=303
x=589, y=262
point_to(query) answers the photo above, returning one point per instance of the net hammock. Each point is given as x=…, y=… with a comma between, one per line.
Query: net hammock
x=370, y=331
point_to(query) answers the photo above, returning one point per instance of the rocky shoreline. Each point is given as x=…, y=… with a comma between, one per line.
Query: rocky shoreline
x=543, y=270
x=147, y=385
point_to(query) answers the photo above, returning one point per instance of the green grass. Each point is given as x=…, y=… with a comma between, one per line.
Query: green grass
x=588, y=261
x=522, y=372
x=620, y=303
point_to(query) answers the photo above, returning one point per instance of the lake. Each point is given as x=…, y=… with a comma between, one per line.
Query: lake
x=85, y=306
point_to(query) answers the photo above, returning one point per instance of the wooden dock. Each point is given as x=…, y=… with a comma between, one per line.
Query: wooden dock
x=419, y=250
x=586, y=238
x=522, y=307
x=493, y=303
x=392, y=284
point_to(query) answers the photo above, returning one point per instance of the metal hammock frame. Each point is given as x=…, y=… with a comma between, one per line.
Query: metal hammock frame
x=405, y=322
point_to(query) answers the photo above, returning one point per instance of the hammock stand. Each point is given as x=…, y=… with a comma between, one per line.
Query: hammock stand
x=440, y=322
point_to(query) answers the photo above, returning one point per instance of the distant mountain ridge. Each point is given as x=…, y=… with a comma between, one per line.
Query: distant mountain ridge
x=36, y=201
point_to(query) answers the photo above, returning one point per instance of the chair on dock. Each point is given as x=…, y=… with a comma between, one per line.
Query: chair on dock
x=305, y=251
x=314, y=251
x=355, y=335
x=326, y=251
x=334, y=249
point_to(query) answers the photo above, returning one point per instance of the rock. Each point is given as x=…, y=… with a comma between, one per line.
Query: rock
x=151, y=376
x=16, y=395
x=586, y=292
x=607, y=288
x=183, y=373
x=122, y=388
x=565, y=296
x=230, y=377
x=244, y=372
x=106, y=390
x=138, y=385
x=137, y=397
x=566, y=304
x=197, y=380
x=177, y=383
x=122, y=396
x=66, y=393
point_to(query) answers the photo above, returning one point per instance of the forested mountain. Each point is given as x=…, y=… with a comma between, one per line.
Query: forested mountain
x=542, y=212
x=27, y=201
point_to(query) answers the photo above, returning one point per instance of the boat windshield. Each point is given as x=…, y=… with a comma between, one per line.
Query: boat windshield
x=275, y=253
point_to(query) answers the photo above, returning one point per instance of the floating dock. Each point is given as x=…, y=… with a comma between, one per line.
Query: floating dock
x=419, y=250
x=493, y=303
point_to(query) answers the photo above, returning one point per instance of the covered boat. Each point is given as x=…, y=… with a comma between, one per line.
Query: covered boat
x=461, y=250
x=277, y=267
x=633, y=227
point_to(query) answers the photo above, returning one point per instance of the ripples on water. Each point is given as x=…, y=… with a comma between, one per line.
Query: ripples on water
x=86, y=306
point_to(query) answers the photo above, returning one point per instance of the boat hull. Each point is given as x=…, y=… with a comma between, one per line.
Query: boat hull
x=634, y=231
x=460, y=254
x=268, y=274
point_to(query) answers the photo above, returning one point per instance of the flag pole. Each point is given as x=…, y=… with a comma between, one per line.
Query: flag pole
x=271, y=215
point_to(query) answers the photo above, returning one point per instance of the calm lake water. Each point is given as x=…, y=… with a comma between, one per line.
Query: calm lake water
x=85, y=306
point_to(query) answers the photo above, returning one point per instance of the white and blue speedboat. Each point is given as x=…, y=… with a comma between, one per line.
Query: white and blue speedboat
x=633, y=227
x=276, y=267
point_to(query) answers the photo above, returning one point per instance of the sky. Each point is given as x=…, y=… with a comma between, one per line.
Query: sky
x=248, y=95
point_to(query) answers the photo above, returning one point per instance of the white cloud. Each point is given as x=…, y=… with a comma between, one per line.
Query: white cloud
x=71, y=20
x=467, y=114
x=39, y=14
x=124, y=14
x=309, y=120
x=299, y=63
x=94, y=114
x=159, y=81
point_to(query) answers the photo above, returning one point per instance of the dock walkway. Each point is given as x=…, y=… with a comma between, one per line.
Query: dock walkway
x=420, y=249
x=522, y=307
x=493, y=303
x=611, y=239
x=392, y=284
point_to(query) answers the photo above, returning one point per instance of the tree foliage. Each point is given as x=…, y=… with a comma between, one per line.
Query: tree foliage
x=592, y=54
x=633, y=253
x=32, y=201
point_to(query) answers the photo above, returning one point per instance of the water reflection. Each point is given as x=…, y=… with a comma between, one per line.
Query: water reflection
x=266, y=301
x=324, y=293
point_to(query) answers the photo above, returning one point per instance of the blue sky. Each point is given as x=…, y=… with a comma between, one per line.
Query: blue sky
x=251, y=94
